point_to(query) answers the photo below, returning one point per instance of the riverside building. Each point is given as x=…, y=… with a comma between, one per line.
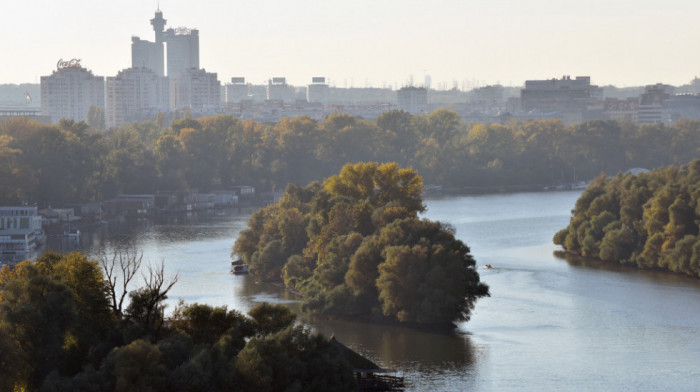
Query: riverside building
x=20, y=233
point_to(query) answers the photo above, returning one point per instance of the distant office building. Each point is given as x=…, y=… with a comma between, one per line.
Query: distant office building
x=488, y=95
x=183, y=50
x=317, y=91
x=279, y=91
x=134, y=92
x=146, y=54
x=194, y=89
x=236, y=91
x=651, y=103
x=559, y=95
x=413, y=99
x=620, y=109
x=70, y=91
x=513, y=105
x=682, y=106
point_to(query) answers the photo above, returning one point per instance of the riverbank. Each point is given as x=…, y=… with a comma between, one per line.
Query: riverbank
x=548, y=324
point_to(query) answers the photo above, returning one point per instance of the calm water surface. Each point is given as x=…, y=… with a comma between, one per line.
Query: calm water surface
x=549, y=325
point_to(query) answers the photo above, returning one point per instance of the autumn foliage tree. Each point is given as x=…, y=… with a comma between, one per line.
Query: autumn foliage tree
x=355, y=245
x=650, y=220
x=76, y=161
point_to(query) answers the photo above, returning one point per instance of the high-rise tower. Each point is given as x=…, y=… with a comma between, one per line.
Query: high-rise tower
x=183, y=50
x=158, y=24
x=150, y=55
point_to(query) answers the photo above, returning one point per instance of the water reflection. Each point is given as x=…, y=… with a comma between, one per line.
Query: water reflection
x=388, y=344
x=250, y=293
x=445, y=361
x=428, y=360
x=629, y=271
x=397, y=345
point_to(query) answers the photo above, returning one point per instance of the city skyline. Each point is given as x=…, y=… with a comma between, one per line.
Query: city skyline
x=363, y=44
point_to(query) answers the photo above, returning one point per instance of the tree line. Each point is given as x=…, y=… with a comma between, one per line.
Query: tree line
x=650, y=220
x=70, y=161
x=64, y=326
x=354, y=246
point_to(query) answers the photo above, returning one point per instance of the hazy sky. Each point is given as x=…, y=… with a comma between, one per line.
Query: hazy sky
x=371, y=42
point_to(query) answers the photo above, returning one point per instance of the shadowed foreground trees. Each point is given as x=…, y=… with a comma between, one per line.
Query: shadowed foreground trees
x=60, y=331
x=650, y=220
x=355, y=245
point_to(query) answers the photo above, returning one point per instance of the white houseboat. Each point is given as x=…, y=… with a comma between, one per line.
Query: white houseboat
x=21, y=234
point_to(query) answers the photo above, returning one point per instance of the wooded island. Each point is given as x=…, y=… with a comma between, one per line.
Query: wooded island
x=649, y=220
x=355, y=246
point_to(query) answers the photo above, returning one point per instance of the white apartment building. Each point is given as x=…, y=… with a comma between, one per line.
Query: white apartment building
x=146, y=54
x=70, y=91
x=651, y=104
x=317, y=91
x=236, y=91
x=413, y=100
x=279, y=90
x=194, y=89
x=133, y=93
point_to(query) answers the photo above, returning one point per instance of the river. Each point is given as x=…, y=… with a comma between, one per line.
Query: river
x=549, y=325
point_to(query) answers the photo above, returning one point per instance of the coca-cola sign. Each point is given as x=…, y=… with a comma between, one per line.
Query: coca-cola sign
x=74, y=63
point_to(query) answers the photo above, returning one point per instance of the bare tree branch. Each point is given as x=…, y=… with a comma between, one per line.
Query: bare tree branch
x=155, y=290
x=127, y=263
x=155, y=280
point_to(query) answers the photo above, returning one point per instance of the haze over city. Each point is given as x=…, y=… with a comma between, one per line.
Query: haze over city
x=364, y=43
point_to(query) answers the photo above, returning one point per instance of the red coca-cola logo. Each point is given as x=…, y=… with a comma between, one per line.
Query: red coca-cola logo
x=74, y=63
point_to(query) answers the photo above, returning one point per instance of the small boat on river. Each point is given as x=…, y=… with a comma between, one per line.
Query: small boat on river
x=238, y=267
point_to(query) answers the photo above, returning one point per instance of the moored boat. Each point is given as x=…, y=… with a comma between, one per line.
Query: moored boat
x=239, y=269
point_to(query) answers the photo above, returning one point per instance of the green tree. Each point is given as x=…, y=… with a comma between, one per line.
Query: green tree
x=269, y=318
x=330, y=241
x=206, y=324
x=136, y=367
x=427, y=276
x=146, y=308
x=650, y=220
x=15, y=178
x=36, y=313
x=171, y=162
x=293, y=360
x=96, y=117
